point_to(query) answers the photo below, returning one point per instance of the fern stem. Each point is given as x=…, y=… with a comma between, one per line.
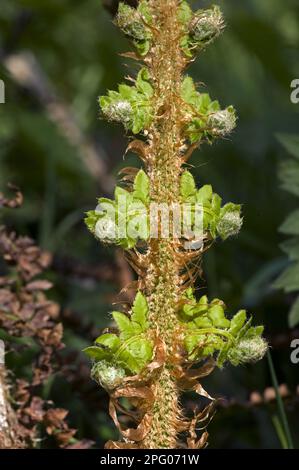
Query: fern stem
x=162, y=280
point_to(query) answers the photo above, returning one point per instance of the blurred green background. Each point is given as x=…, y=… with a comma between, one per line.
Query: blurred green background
x=57, y=57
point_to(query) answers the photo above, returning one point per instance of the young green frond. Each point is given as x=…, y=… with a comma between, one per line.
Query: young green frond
x=165, y=223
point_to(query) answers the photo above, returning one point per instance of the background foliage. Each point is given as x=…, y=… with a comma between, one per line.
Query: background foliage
x=49, y=134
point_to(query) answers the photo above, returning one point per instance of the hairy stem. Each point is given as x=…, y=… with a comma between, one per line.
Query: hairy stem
x=162, y=279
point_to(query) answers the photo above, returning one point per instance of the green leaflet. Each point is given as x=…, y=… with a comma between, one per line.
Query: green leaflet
x=291, y=143
x=143, y=83
x=109, y=341
x=193, y=343
x=189, y=92
x=106, y=345
x=217, y=316
x=189, y=303
x=291, y=225
x=291, y=248
x=188, y=187
x=185, y=13
x=201, y=27
x=237, y=322
x=206, y=346
x=216, y=203
x=200, y=102
x=204, y=195
x=289, y=176
x=131, y=105
x=126, y=328
x=135, y=325
x=131, y=350
x=254, y=331
x=135, y=354
x=210, y=333
x=202, y=313
x=123, y=221
x=96, y=353
x=204, y=342
x=133, y=23
x=91, y=220
x=206, y=119
x=289, y=279
x=219, y=221
x=140, y=311
x=141, y=187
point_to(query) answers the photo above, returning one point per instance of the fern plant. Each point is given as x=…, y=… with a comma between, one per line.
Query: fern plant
x=169, y=338
x=288, y=175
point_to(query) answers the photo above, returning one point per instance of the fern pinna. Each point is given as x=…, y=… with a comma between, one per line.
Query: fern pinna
x=288, y=175
x=169, y=339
